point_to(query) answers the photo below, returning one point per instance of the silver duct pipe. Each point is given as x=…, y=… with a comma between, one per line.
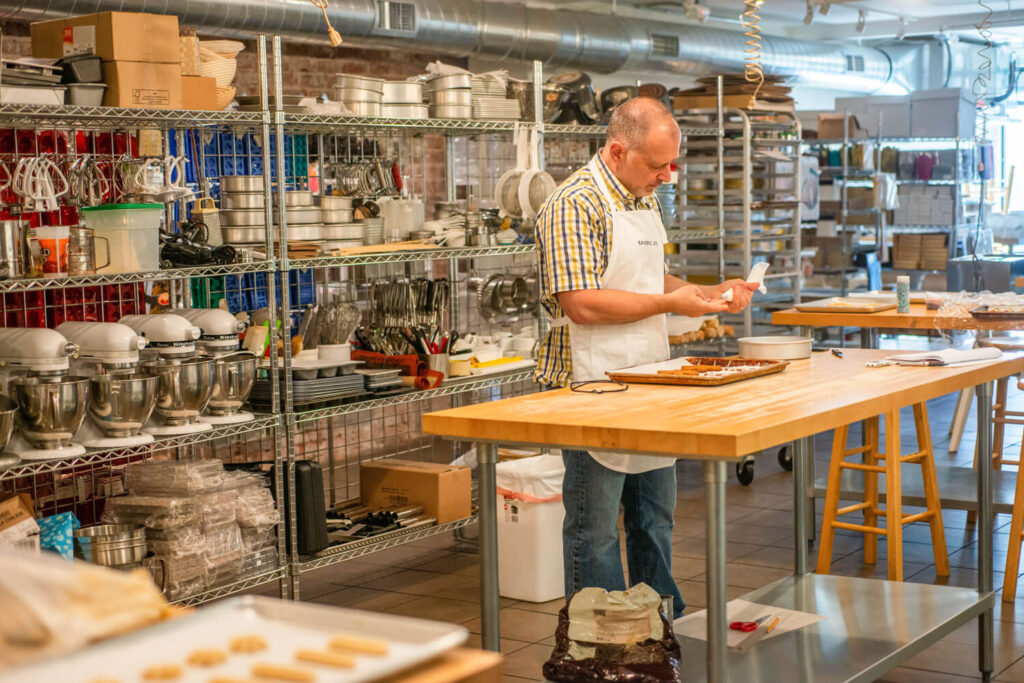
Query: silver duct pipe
x=573, y=39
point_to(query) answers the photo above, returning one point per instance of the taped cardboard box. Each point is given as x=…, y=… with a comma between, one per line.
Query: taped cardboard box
x=142, y=85
x=112, y=36
x=18, y=525
x=442, y=490
x=198, y=93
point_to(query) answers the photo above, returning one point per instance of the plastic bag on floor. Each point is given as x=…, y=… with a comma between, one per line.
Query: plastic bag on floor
x=618, y=636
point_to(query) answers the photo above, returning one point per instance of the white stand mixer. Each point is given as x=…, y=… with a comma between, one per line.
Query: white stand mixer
x=104, y=348
x=41, y=353
x=218, y=338
x=170, y=338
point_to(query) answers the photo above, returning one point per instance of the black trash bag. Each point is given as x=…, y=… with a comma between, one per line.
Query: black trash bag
x=618, y=636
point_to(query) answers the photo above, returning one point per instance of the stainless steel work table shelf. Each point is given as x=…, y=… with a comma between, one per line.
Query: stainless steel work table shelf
x=872, y=625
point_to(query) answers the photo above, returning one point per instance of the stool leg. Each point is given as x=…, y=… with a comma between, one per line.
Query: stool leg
x=893, y=495
x=999, y=424
x=963, y=408
x=871, y=490
x=834, y=485
x=931, y=489
x=1013, y=545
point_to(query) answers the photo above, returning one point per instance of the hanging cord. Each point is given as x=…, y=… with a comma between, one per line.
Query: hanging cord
x=979, y=88
x=334, y=35
x=752, y=69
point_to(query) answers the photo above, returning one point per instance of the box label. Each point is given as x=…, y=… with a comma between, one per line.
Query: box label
x=79, y=40
x=151, y=96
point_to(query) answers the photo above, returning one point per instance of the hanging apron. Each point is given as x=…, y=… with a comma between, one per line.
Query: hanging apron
x=636, y=263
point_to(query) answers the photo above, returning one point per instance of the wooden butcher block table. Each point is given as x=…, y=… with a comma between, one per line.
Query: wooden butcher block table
x=867, y=630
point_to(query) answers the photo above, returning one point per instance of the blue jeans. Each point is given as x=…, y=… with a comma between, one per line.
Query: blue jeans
x=591, y=494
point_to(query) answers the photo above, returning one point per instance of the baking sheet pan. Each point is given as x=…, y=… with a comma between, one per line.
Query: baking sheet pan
x=840, y=304
x=984, y=313
x=286, y=627
x=648, y=374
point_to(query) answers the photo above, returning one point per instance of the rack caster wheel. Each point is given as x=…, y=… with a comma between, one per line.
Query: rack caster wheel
x=785, y=459
x=745, y=472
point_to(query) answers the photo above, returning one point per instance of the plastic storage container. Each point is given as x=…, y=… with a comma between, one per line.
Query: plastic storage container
x=530, y=516
x=134, y=234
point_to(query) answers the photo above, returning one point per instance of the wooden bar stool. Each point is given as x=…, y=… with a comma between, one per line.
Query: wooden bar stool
x=893, y=512
x=1014, y=542
x=1000, y=415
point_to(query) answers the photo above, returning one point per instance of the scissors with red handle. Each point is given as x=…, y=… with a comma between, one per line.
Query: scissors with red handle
x=748, y=626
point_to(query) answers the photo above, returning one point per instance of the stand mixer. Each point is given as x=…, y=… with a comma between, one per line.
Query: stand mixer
x=234, y=370
x=34, y=372
x=121, y=400
x=186, y=379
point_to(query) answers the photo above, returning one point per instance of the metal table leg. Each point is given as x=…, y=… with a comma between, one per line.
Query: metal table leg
x=801, y=511
x=810, y=530
x=986, y=657
x=487, y=458
x=714, y=491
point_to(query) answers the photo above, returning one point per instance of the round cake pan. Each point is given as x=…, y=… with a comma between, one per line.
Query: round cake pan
x=342, y=244
x=301, y=215
x=775, y=348
x=244, y=235
x=353, y=82
x=451, y=111
x=242, y=217
x=404, y=111
x=241, y=183
x=305, y=233
x=332, y=203
x=347, y=95
x=463, y=97
x=345, y=231
x=364, y=108
x=403, y=92
x=451, y=81
x=336, y=215
x=242, y=200
x=298, y=198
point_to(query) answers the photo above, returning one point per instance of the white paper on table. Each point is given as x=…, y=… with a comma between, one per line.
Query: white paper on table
x=696, y=625
x=948, y=356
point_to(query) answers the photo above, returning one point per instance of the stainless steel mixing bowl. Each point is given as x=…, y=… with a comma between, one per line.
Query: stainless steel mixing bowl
x=185, y=388
x=50, y=410
x=8, y=414
x=233, y=377
x=120, y=404
x=111, y=544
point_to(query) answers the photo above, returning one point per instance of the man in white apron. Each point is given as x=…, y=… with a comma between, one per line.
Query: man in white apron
x=601, y=238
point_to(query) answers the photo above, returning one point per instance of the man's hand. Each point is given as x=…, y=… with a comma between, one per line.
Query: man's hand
x=742, y=293
x=690, y=301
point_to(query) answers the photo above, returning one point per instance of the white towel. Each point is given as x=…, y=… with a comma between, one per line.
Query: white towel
x=947, y=356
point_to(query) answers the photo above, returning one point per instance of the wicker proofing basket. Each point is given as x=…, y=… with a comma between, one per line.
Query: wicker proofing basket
x=221, y=69
x=227, y=48
x=224, y=97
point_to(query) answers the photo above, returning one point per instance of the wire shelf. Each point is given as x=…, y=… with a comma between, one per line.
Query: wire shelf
x=451, y=387
x=42, y=283
x=30, y=115
x=29, y=468
x=232, y=588
x=320, y=122
x=378, y=543
x=410, y=255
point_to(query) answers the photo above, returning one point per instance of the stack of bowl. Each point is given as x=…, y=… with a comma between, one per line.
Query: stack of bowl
x=303, y=216
x=339, y=230
x=242, y=218
x=451, y=96
x=403, y=100
x=361, y=95
x=374, y=230
x=112, y=545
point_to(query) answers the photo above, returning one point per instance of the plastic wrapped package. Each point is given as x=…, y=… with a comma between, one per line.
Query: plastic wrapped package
x=238, y=479
x=223, y=553
x=155, y=512
x=258, y=538
x=255, y=508
x=217, y=508
x=174, y=542
x=174, y=478
x=259, y=562
x=186, y=575
x=619, y=636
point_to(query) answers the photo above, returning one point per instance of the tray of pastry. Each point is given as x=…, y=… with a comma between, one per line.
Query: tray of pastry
x=256, y=638
x=844, y=304
x=700, y=372
x=1004, y=312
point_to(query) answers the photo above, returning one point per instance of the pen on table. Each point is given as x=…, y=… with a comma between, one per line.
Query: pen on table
x=773, y=624
x=837, y=353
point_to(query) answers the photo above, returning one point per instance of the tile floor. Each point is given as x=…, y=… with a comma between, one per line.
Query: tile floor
x=439, y=578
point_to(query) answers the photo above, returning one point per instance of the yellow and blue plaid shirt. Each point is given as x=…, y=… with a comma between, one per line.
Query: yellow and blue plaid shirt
x=574, y=238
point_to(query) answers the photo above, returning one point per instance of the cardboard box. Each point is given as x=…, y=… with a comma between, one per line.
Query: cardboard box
x=198, y=92
x=142, y=85
x=944, y=113
x=17, y=523
x=830, y=126
x=113, y=36
x=442, y=490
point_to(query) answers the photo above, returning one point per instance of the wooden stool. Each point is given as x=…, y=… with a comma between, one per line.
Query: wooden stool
x=893, y=512
x=1013, y=544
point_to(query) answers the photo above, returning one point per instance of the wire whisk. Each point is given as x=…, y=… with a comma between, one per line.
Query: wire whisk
x=752, y=69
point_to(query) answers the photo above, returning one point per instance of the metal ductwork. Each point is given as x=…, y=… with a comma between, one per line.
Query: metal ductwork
x=559, y=38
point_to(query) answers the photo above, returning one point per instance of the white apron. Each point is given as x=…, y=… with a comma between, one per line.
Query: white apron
x=636, y=263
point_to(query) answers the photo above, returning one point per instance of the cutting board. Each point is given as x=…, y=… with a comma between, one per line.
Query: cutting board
x=649, y=373
x=839, y=304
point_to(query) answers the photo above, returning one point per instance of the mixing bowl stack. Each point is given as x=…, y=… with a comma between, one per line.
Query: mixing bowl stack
x=360, y=95
x=451, y=96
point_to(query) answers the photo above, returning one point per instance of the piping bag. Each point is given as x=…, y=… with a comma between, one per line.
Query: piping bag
x=756, y=275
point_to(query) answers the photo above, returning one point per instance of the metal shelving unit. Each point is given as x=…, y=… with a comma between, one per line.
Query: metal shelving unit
x=33, y=115
x=411, y=256
x=99, y=280
x=245, y=584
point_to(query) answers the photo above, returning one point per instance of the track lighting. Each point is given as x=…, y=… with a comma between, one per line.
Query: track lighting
x=902, y=30
x=862, y=18
x=824, y=8
x=809, y=17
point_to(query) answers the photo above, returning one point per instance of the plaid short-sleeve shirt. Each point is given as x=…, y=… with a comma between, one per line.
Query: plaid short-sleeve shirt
x=574, y=237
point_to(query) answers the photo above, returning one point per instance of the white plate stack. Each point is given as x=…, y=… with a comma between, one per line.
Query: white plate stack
x=403, y=100
x=451, y=96
x=360, y=95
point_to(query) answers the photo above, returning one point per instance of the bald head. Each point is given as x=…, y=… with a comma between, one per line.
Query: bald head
x=634, y=121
